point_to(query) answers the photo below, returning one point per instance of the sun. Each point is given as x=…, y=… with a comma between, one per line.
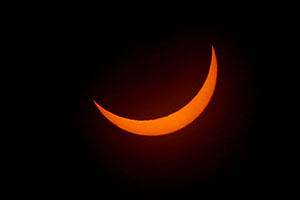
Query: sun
x=175, y=121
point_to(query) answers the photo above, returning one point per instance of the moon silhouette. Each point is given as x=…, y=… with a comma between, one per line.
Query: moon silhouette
x=172, y=122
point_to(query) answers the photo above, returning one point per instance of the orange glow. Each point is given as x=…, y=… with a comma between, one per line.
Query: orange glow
x=174, y=121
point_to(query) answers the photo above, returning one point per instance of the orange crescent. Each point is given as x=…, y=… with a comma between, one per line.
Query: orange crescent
x=172, y=122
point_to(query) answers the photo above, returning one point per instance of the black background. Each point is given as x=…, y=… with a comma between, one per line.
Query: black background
x=144, y=66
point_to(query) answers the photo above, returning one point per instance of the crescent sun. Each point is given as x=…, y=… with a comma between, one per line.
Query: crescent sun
x=172, y=122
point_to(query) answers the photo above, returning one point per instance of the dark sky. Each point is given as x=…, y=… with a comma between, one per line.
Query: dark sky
x=144, y=67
